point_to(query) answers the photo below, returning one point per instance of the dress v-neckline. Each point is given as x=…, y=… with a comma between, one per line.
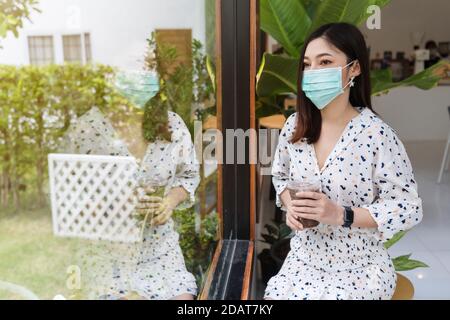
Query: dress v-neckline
x=341, y=139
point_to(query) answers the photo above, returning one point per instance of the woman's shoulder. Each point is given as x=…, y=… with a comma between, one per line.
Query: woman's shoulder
x=177, y=126
x=173, y=116
x=290, y=124
x=381, y=130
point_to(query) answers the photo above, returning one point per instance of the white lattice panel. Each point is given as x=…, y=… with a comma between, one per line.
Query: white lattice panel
x=93, y=197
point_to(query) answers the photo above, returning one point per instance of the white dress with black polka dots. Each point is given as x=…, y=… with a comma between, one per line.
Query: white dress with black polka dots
x=155, y=268
x=368, y=168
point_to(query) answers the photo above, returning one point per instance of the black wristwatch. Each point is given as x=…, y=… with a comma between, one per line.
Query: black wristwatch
x=348, y=217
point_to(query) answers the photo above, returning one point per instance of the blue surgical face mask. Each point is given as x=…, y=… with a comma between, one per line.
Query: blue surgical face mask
x=137, y=86
x=322, y=86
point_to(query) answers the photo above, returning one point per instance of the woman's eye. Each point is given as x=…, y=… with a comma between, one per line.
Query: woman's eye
x=306, y=65
x=325, y=62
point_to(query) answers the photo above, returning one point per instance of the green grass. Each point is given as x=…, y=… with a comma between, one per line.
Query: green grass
x=31, y=256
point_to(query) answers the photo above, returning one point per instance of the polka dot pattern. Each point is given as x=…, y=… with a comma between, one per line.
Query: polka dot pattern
x=368, y=168
x=155, y=268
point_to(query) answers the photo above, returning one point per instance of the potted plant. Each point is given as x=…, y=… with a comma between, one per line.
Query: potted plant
x=405, y=288
x=278, y=237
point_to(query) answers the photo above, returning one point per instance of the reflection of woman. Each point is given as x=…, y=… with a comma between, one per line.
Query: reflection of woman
x=155, y=269
x=368, y=187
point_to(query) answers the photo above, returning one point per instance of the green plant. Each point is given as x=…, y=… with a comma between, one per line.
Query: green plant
x=276, y=231
x=290, y=21
x=278, y=238
x=197, y=243
x=185, y=88
x=12, y=14
x=38, y=105
x=403, y=263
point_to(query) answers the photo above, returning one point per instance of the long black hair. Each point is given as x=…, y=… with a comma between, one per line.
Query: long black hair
x=348, y=39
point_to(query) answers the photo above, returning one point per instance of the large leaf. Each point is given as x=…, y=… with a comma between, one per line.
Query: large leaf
x=286, y=21
x=267, y=106
x=290, y=21
x=277, y=75
x=394, y=239
x=404, y=263
x=427, y=79
x=351, y=11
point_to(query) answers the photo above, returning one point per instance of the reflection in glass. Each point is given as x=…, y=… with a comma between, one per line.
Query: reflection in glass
x=142, y=109
x=152, y=268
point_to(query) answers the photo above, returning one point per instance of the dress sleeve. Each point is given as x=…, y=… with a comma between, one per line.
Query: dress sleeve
x=281, y=162
x=397, y=206
x=187, y=173
x=77, y=139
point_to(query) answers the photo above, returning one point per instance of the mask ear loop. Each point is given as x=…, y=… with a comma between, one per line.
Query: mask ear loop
x=351, y=83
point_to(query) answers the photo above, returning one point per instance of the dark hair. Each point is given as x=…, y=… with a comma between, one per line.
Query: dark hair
x=348, y=39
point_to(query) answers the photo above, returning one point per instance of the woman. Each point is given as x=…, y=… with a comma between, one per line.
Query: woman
x=161, y=142
x=368, y=187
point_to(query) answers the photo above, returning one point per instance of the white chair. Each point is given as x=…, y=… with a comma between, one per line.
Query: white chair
x=446, y=158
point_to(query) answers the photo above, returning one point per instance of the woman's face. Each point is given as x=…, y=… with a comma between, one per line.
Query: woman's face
x=321, y=54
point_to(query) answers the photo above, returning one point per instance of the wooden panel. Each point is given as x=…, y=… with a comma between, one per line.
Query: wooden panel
x=230, y=276
x=210, y=274
x=253, y=137
x=219, y=151
x=181, y=39
x=254, y=27
x=245, y=295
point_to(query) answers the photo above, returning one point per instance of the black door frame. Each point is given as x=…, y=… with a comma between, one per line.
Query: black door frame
x=230, y=273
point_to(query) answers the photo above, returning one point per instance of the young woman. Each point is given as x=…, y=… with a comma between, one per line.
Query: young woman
x=368, y=188
x=153, y=269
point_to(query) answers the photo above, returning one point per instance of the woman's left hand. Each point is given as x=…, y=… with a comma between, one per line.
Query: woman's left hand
x=317, y=206
x=164, y=212
x=158, y=209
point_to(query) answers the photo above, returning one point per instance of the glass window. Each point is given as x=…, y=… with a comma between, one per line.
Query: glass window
x=87, y=47
x=114, y=162
x=41, y=50
x=72, y=48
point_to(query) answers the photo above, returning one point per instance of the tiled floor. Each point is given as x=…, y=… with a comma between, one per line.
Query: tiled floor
x=428, y=242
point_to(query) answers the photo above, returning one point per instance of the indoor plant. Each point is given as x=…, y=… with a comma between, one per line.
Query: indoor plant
x=290, y=21
x=278, y=238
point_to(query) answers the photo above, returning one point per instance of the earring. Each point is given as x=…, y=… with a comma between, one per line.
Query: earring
x=352, y=82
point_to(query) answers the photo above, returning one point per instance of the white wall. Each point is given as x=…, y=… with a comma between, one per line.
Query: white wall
x=119, y=28
x=401, y=17
x=415, y=114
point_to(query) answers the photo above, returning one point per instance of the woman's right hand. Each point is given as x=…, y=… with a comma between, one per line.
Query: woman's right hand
x=291, y=214
x=147, y=205
x=291, y=218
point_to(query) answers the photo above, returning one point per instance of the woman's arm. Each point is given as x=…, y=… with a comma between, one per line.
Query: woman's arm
x=176, y=196
x=397, y=206
x=362, y=218
x=281, y=161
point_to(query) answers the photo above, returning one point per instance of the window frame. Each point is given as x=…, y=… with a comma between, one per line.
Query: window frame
x=84, y=53
x=230, y=273
x=30, y=48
